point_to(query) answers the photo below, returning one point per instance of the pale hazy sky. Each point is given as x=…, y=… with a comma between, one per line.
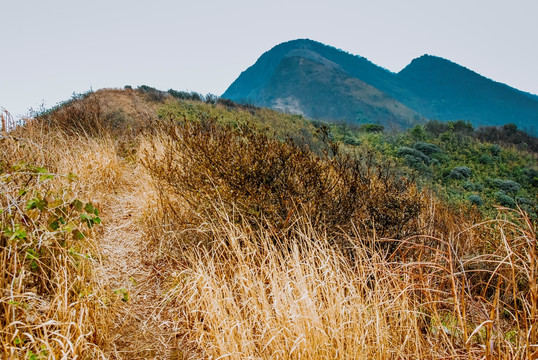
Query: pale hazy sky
x=50, y=49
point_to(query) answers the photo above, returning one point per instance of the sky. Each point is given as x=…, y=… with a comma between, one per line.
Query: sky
x=52, y=49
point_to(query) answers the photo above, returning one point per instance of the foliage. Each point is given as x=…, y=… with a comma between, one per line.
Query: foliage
x=495, y=150
x=449, y=151
x=266, y=178
x=507, y=135
x=508, y=186
x=43, y=247
x=427, y=148
x=475, y=199
x=460, y=173
x=372, y=128
x=151, y=93
x=505, y=200
x=184, y=95
x=414, y=154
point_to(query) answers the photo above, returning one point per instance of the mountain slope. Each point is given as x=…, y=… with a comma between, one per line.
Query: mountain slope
x=319, y=81
x=251, y=82
x=303, y=86
x=447, y=91
x=430, y=86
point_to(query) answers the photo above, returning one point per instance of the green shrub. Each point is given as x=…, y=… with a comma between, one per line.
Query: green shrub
x=528, y=205
x=351, y=140
x=460, y=173
x=151, y=93
x=475, y=200
x=372, y=128
x=504, y=199
x=415, y=163
x=495, y=150
x=418, y=132
x=407, y=151
x=485, y=159
x=525, y=201
x=468, y=185
x=427, y=148
x=436, y=127
x=184, y=95
x=507, y=186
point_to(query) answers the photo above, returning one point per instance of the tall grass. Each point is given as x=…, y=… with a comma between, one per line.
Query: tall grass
x=53, y=305
x=269, y=269
x=243, y=295
x=247, y=297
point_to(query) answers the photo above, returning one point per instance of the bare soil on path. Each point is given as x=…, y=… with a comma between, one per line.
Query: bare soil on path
x=142, y=328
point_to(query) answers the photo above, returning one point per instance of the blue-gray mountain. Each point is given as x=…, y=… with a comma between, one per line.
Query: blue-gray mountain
x=319, y=81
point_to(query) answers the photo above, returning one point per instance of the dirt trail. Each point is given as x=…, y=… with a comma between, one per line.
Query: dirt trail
x=141, y=330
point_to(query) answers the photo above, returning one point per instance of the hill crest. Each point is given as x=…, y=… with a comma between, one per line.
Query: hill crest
x=430, y=86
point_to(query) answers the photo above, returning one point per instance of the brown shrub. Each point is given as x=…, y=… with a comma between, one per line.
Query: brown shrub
x=263, y=178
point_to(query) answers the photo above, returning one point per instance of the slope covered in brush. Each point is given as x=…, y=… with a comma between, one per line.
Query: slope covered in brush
x=211, y=230
x=432, y=153
x=486, y=167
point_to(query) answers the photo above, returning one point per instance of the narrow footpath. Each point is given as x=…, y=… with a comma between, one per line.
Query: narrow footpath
x=142, y=329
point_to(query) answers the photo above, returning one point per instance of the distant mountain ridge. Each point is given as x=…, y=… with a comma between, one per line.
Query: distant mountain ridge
x=331, y=84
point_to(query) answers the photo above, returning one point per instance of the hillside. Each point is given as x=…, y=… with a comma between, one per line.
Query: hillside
x=444, y=90
x=431, y=87
x=139, y=223
x=304, y=86
x=349, y=81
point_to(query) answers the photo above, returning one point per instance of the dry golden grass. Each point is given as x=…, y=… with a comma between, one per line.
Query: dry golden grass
x=52, y=304
x=245, y=295
x=55, y=304
x=194, y=273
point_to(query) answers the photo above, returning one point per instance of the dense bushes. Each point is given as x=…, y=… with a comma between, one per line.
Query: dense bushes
x=184, y=95
x=475, y=199
x=372, y=128
x=414, y=153
x=508, y=135
x=508, y=186
x=460, y=173
x=427, y=148
x=504, y=199
x=266, y=178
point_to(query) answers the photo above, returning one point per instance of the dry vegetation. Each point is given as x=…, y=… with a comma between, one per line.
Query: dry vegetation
x=215, y=241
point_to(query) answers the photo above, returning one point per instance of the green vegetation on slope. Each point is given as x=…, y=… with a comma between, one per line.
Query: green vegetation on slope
x=450, y=159
x=447, y=157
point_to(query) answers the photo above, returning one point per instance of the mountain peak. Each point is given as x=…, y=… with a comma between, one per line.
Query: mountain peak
x=432, y=61
x=430, y=86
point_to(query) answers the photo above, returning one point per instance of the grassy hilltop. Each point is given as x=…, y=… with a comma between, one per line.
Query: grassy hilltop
x=168, y=225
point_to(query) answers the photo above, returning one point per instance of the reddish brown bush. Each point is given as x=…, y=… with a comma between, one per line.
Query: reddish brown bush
x=267, y=179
